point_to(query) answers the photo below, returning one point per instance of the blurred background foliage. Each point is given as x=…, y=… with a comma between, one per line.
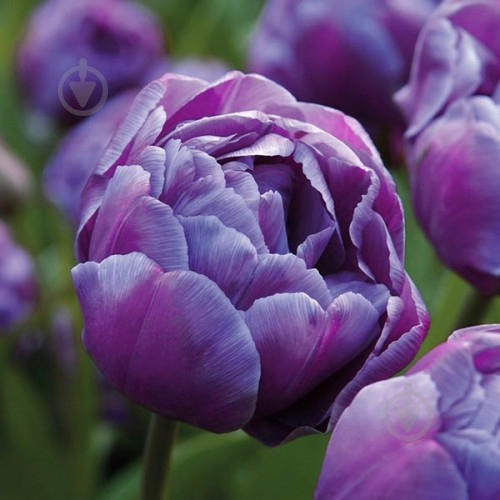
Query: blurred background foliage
x=54, y=442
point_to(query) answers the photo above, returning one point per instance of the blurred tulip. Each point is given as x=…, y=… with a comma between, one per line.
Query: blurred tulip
x=121, y=40
x=15, y=180
x=352, y=55
x=17, y=281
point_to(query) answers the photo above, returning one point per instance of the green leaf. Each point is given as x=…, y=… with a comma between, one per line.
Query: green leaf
x=31, y=463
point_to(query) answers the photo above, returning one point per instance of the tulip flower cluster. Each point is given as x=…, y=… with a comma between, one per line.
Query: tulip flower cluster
x=240, y=245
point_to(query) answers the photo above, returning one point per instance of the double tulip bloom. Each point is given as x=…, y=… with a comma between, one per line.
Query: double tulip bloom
x=242, y=259
x=433, y=434
x=452, y=106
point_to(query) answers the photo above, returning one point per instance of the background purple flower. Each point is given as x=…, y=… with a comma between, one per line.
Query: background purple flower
x=452, y=103
x=120, y=39
x=79, y=152
x=432, y=434
x=15, y=180
x=352, y=55
x=243, y=259
x=17, y=282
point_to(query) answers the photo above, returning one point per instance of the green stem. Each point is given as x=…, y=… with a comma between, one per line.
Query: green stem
x=473, y=310
x=156, y=461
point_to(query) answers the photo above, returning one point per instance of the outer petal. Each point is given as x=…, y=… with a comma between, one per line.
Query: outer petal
x=300, y=344
x=233, y=93
x=403, y=333
x=182, y=349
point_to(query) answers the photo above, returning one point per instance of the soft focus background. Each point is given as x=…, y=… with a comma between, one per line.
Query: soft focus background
x=64, y=433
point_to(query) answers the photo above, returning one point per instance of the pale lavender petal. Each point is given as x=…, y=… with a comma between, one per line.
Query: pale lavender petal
x=221, y=253
x=283, y=274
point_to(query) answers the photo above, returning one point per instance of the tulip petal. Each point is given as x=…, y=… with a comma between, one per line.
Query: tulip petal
x=287, y=329
x=234, y=92
x=129, y=220
x=477, y=457
x=151, y=228
x=446, y=66
x=272, y=222
x=245, y=186
x=403, y=333
x=300, y=344
x=204, y=198
x=222, y=254
x=182, y=349
x=127, y=185
x=283, y=274
x=139, y=112
x=183, y=166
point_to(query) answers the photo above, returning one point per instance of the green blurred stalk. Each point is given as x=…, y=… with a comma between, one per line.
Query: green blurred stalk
x=474, y=309
x=156, y=461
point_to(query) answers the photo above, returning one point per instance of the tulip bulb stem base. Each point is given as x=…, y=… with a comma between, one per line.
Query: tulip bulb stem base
x=156, y=461
x=473, y=310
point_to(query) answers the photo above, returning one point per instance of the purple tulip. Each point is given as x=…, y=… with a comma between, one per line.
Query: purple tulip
x=432, y=434
x=243, y=259
x=452, y=104
x=17, y=283
x=15, y=180
x=78, y=154
x=119, y=39
x=352, y=55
